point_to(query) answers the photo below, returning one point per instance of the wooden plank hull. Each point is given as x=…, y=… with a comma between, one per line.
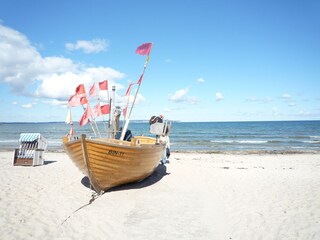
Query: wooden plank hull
x=109, y=162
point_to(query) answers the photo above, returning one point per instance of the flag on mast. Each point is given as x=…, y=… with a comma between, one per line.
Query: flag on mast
x=74, y=101
x=97, y=110
x=140, y=79
x=80, y=90
x=83, y=100
x=129, y=89
x=68, y=118
x=125, y=112
x=93, y=91
x=103, y=85
x=85, y=117
x=144, y=49
x=105, y=109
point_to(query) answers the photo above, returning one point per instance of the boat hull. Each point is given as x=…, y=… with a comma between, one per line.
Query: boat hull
x=110, y=162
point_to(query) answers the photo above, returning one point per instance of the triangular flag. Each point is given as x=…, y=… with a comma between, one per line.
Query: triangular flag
x=144, y=49
x=85, y=117
x=124, y=112
x=68, y=118
x=97, y=110
x=93, y=91
x=128, y=90
x=140, y=79
x=74, y=101
x=80, y=90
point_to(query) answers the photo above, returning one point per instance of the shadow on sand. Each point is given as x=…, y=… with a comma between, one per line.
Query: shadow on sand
x=156, y=176
x=48, y=162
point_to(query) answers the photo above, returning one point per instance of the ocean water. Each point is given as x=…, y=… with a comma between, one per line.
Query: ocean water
x=189, y=136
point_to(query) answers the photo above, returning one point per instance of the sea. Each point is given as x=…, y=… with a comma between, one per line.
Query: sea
x=290, y=136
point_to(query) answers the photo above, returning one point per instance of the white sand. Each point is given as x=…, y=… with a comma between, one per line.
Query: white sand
x=196, y=196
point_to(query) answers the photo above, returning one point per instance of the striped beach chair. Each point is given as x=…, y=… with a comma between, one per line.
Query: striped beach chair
x=30, y=152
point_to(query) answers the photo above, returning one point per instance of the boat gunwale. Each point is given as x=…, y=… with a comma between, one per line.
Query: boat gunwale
x=116, y=142
x=122, y=144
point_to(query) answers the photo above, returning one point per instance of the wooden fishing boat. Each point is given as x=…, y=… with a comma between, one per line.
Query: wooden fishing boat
x=110, y=162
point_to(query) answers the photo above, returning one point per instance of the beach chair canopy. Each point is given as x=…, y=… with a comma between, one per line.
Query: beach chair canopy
x=29, y=137
x=33, y=138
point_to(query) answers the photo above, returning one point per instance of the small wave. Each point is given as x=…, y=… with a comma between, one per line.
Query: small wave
x=274, y=141
x=304, y=148
x=318, y=137
x=313, y=142
x=9, y=141
x=240, y=141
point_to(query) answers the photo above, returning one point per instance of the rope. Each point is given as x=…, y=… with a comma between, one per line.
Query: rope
x=94, y=196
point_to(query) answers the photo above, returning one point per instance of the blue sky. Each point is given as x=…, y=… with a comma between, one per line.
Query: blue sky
x=210, y=61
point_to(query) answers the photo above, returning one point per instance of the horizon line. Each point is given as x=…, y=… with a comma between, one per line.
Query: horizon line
x=177, y=121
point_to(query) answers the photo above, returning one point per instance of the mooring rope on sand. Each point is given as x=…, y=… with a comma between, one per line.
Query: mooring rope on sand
x=94, y=196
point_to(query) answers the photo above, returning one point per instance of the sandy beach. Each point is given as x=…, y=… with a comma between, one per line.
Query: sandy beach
x=195, y=196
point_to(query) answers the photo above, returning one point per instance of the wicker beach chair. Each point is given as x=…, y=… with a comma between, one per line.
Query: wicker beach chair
x=30, y=152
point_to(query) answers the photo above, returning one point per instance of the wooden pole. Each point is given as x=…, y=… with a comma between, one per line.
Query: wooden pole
x=124, y=130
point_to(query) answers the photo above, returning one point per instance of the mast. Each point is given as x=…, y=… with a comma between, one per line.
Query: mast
x=144, y=49
x=111, y=114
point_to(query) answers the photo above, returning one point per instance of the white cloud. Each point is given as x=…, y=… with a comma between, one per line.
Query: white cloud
x=29, y=105
x=55, y=77
x=93, y=46
x=200, y=80
x=55, y=102
x=21, y=64
x=259, y=100
x=122, y=100
x=192, y=100
x=179, y=95
x=286, y=96
x=63, y=85
x=219, y=96
x=140, y=99
x=288, y=99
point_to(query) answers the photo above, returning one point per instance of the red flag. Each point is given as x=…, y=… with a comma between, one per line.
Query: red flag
x=93, y=91
x=83, y=100
x=80, y=90
x=103, y=85
x=124, y=112
x=85, y=117
x=97, y=110
x=144, y=49
x=140, y=79
x=74, y=101
x=128, y=90
x=105, y=109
